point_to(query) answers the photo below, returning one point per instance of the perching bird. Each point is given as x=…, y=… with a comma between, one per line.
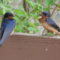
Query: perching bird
x=50, y=21
x=7, y=26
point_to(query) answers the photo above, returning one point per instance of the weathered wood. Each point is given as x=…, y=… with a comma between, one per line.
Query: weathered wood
x=20, y=47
